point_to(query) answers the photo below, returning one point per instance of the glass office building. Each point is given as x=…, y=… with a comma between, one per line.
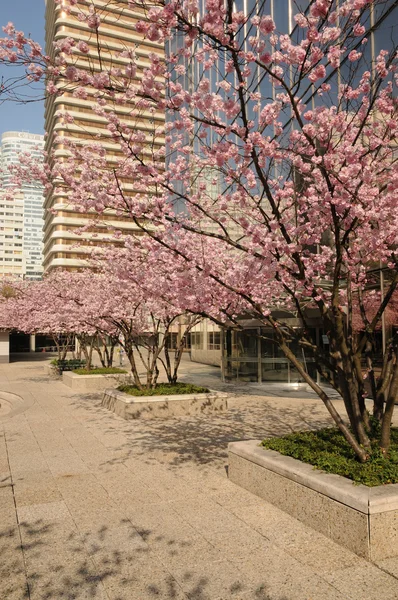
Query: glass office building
x=242, y=354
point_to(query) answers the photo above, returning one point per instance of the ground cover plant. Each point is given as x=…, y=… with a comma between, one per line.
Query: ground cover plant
x=164, y=389
x=327, y=449
x=99, y=371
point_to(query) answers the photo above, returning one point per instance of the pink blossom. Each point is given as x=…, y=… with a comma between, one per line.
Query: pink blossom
x=266, y=25
x=93, y=21
x=358, y=29
x=318, y=73
x=354, y=55
x=83, y=47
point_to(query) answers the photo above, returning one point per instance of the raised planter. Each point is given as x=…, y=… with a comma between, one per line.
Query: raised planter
x=92, y=383
x=363, y=519
x=150, y=407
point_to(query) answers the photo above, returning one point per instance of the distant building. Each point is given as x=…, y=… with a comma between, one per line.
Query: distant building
x=21, y=218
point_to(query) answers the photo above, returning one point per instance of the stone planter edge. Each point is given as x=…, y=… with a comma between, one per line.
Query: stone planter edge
x=359, y=497
x=360, y=518
x=128, y=399
x=97, y=382
x=172, y=405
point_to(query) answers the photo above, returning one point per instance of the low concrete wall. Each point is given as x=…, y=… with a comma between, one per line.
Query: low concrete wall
x=363, y=519
x=92, y=383
x=207, y=357
x=150, y=407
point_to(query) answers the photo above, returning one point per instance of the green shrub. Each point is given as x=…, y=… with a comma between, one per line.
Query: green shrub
x=328, y=451
x=164, y=389
x=68, y=365
x=99, y=371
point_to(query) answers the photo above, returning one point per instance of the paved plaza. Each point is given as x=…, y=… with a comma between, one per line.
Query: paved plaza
x=95, y=507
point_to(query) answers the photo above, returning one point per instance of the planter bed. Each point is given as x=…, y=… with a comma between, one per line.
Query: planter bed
x=92, y=383
x=172, y=405
x=363, y=519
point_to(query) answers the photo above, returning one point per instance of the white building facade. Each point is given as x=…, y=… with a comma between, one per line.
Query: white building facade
x=21, y=218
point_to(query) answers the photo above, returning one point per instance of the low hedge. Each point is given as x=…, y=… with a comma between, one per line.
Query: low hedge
x=99, y=371
x=163, y=389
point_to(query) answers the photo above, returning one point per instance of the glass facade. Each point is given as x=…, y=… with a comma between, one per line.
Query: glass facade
x=253, y=355
x=245, y=355
x=381, y=25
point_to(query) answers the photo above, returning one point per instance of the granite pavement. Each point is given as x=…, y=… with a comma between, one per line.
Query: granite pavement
x=95, y=507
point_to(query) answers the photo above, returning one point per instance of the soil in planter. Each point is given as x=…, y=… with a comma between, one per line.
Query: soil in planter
x=164, y=389
x=328, y=451
x=99, y=371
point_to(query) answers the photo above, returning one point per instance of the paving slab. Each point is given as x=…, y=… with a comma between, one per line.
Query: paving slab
x=365, y=581
x=389, y=565
x=35, y=487
x=96, y=507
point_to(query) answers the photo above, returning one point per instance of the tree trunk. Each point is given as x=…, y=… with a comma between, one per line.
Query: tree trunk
x=356, y=402
x=177, y=359
x=110, y=354
x=83, y=346
x=101, y=353
x=56, y=342
x=389, y=410
x=131, y=358
x=360, y=385
x=65, y=349
x=377, y=407
x=167, y=366
x=384, y=380
x=152, y=369
x=360, y=452
x=90, y=354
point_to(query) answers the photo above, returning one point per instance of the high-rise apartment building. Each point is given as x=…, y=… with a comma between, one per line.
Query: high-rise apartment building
x=63, y=246
x=21, y=218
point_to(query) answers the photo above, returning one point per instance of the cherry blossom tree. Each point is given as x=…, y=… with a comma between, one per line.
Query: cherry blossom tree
x=280, y=184
x=101, y=310
x=142, y=301
x=30, y=307
x=178, y=295
x=364, y=311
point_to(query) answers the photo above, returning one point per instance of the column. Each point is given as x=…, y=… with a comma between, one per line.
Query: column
x=32, y=343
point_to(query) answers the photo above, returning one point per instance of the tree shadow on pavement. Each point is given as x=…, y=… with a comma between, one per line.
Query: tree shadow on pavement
x=200, y=440
x=122, y=562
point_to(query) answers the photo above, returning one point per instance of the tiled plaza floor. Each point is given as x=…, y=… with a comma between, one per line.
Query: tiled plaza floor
x=94, y=507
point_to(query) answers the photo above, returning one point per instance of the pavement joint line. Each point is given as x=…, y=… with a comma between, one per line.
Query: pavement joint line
x=73, y=521
x=12, y=485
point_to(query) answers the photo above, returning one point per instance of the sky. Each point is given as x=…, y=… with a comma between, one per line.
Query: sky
x=28, y=16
